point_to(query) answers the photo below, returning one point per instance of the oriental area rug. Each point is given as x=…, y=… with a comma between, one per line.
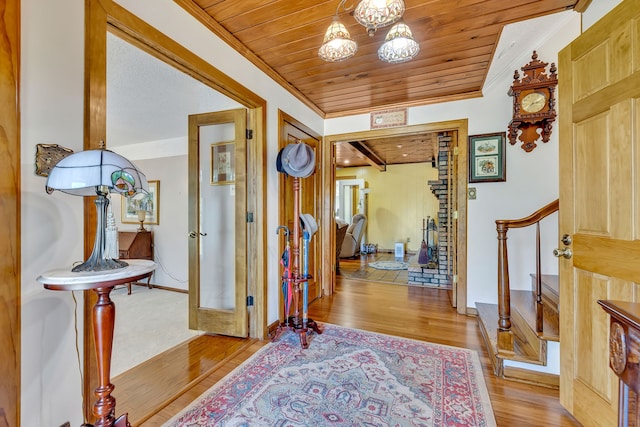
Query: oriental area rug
x=389, y=265
x=347, y=377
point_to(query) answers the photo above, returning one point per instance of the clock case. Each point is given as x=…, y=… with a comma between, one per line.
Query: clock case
x=534, y=79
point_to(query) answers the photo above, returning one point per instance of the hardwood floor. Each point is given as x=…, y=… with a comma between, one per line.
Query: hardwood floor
x=407, y=311
x=357, y=269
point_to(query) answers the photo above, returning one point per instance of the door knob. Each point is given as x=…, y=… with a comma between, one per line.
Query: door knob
x=194, y=234
x=566, y=240
x=566, y=253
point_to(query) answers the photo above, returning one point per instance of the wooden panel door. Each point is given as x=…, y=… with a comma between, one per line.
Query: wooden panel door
x=599, y=203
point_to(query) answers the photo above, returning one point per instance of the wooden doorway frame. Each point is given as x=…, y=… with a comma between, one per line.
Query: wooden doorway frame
x=328, y=196
x=10, y=230
x=102, y=16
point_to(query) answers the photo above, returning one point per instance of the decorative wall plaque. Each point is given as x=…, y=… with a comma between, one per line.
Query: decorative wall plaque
x=389, y=118
x=47, y=155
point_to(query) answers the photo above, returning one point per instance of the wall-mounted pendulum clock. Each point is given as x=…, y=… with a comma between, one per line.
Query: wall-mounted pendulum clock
x=533, y=104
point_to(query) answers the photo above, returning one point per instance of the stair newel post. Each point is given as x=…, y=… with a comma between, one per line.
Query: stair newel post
x=539, y=307
x=505, y=336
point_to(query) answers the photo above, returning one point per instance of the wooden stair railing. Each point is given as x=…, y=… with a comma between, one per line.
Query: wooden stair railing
x=505, y=335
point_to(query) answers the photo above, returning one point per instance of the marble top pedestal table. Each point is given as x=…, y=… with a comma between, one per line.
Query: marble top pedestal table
x=104, y=312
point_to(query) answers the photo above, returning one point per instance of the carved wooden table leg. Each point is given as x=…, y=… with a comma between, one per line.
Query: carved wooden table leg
x=104, y=313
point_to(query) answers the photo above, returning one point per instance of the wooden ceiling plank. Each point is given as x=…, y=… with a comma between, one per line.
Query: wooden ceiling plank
x=425, y=67
x=320, y=87
x=328, y=104
x=340, y=72
x=471, y=78
x=280, y=16
x=418, y=91
x=429, y=48
x=282, y=37
x=336, y=101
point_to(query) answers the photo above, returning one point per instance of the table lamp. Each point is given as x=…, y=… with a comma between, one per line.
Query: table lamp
x=96, y=173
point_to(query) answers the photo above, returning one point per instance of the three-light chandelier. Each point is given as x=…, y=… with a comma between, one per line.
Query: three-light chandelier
x=398, y=46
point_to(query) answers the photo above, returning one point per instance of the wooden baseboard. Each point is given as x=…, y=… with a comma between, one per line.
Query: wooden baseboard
x=164, y=288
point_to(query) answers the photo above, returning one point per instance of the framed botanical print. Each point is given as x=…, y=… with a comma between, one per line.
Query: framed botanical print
x=487, y=161
x=150, y=203
x=223, y=163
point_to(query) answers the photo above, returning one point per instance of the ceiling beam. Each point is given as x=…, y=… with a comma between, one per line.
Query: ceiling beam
x=582, y=5
x=369, y=155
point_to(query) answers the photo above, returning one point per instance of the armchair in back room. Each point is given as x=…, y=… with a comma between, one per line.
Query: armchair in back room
x=351, y=243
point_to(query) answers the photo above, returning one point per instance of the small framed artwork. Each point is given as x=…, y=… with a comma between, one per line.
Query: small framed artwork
x=223, y=163
x=487, y=157
x=149, y=203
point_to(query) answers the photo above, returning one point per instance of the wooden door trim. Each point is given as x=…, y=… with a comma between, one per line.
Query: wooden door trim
x=10, y=291
x=327, y=167
x=105, y=15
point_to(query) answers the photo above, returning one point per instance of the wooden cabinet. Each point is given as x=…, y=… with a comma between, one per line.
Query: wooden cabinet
x=136, y=245
x=624, y=357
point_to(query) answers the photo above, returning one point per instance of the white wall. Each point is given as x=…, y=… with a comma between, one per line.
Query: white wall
x=52, y=112
x=170, y=235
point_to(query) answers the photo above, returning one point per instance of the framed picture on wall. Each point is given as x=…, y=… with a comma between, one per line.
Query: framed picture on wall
x=223, y=163
x=149, y=203
x=487, y=157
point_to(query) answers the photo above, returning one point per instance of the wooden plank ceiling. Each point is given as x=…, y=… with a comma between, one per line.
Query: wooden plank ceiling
x=457, y=40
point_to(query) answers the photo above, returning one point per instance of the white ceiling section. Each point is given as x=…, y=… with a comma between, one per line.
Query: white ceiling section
x=149, y=101
x=519, y=40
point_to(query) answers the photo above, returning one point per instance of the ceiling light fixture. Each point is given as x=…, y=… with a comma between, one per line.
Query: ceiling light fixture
x=399, y=45
x=337, y=44
x=374, y=14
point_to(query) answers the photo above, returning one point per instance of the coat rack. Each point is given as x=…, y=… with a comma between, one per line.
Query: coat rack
x=292, y=280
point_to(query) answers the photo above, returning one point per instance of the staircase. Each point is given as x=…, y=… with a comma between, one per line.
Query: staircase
x=519, y=327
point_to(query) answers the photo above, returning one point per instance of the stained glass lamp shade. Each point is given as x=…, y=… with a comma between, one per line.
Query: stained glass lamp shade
x=97, y=173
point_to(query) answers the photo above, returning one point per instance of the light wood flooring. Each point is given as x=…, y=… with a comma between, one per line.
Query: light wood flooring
x=409, y=311
x=357, y=268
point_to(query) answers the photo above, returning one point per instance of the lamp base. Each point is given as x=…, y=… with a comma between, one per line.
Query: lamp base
x=99, y=265
x=97, y=261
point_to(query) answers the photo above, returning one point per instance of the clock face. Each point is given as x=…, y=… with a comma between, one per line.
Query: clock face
x=533, y=102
